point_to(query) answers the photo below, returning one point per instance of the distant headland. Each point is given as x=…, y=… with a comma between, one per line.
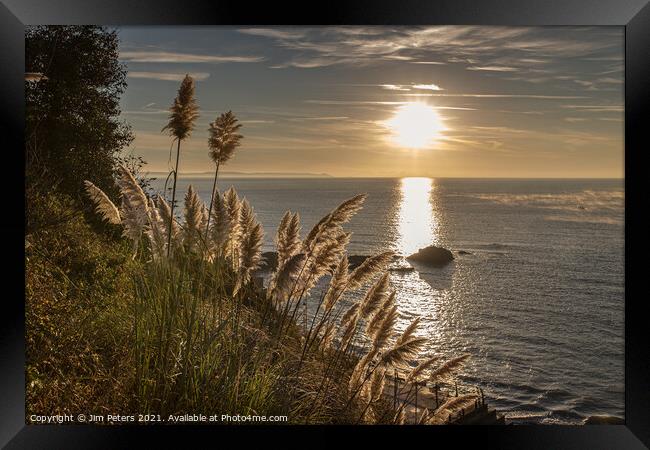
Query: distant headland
x=246, y=174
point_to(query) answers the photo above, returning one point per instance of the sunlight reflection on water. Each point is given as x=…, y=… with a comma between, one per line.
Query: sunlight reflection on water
x=417, y=224
x=416, y=227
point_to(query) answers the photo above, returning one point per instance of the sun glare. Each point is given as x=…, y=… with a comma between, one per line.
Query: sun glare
x=415, y=125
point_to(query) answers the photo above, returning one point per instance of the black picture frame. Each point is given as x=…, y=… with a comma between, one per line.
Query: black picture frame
x=634, y=15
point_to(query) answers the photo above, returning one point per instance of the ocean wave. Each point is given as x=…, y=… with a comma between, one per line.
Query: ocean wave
x=585, y=219
x=586, y=200
x=535, y=416
x=559, y=417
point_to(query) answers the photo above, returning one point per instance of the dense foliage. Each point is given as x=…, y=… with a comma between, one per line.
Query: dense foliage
x=72, y=127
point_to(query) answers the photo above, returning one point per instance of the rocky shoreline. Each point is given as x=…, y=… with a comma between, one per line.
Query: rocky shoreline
x=429, y=256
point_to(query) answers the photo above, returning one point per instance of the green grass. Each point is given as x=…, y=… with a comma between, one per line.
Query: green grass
x=78, y=288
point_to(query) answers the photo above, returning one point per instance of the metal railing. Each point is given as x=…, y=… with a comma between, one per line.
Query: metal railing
x=442, y=392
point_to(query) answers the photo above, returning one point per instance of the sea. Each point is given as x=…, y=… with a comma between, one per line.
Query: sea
x=535, y=293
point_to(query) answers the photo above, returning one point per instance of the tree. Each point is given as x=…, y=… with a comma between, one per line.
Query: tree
x=73, y=131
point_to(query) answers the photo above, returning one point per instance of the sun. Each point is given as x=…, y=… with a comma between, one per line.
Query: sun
x=415, y=125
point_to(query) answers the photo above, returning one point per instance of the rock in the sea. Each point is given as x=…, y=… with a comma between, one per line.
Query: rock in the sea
x=464, y=252
x=604, y=420
x=433, y=256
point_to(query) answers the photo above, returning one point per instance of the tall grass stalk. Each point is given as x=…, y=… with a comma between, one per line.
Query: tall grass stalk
x=183, y=114
x=224, y=139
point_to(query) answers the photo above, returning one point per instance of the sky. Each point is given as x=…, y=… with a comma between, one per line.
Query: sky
x=443, y=101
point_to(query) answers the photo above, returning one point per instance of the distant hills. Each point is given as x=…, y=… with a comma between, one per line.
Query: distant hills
x=247, y=174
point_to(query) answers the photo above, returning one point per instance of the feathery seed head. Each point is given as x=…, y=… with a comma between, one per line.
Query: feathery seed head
x=134, y=209
x=156, y=234
x=103, y=204
x=220, y=223
x=378, y=320
x=409, y=332
x=285, y=276
x=380, y=331
x=448, y=369
x=250, y=243
x=193, y=219
x=451, y=406
x=375, y=296
x=369, y=267
x=423, y=366
x=340, y=215
x=224, y=138
x=358, y=373
x=184, y=112
x=233, y=207
x=337, y=284
x=398, y=355
x=377, y=383
x=288, y=237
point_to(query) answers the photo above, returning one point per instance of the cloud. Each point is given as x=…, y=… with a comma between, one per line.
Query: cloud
x=534, y=60
x=352, y=102
x=456, y=108
x=429, y=87
x=176, y=57
x=618, y=58
x=256, y=121
x=198, y=76
x=501, y=129
x=610, y=80
x=536, y=96
x=428, y=62
x=494, y=68
x=146, y=111
x=300, y=119
x=273, y=33
x=404, y=87
x=475, y=45
x=395, y=87
x=590, y=85
x=595, y=108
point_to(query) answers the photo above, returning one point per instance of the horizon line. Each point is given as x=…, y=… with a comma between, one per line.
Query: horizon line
x=328, y=176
